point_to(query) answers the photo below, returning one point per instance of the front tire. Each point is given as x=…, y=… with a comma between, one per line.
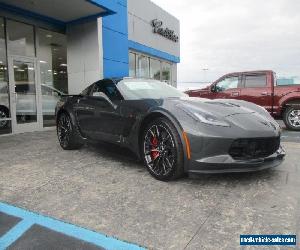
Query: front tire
x=291, y=118
x=67, y=133
x=162, y=150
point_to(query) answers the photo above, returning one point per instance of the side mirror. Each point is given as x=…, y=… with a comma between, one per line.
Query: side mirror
x=213, y=88
x=103, y=96
x=56, y=94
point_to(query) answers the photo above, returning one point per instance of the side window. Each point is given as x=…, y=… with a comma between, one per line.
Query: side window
x=252, y=81
x=227, y=83
x=87, y=90
x=109, y=89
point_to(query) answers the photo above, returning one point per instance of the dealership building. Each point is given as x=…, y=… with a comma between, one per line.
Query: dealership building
x=52, y=47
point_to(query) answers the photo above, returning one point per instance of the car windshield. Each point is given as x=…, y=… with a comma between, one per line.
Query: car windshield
x=137, y=89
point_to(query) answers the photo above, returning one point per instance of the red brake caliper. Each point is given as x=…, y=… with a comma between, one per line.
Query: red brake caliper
x=154, y=151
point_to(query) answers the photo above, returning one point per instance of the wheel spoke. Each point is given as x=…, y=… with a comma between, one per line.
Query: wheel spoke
x=159, y=150
x=157, y=132
x=294, y=118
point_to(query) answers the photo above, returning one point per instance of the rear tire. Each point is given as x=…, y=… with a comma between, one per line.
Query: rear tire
x=291, y=118
x=67, y=133
x=162, y=150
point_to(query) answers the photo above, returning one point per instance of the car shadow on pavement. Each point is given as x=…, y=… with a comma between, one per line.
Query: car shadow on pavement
x=111, y=151
x=243, y=180
x=115, y=152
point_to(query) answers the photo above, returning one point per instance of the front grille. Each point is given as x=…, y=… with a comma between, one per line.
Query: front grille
x=254, y=148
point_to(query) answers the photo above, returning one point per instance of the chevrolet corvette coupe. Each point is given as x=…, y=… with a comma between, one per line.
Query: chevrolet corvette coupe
x=172, y=133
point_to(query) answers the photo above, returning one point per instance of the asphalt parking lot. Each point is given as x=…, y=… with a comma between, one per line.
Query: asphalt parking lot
x=105, y=189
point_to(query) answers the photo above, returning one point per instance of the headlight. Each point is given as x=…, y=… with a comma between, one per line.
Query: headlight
x=203, y=117
x=211, y=120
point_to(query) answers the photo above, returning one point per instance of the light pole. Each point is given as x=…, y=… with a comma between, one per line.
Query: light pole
x=204, y=74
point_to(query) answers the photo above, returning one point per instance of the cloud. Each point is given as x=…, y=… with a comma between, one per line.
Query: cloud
x=234, y=35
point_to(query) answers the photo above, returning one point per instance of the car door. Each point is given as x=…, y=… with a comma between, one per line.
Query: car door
x=227, y=88
x=256, y=90
x=99, y=112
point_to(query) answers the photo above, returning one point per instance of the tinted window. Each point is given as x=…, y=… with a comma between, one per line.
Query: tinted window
x=109, y=89
x=252, y=81
x=227, y=83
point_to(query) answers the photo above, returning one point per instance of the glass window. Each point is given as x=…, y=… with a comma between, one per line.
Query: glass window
x=5, y=123
x=154, y=69
x=132, y=63
x=252, y=81
x=20, y=39
x=138, y=89
x=25, y=88
x=142, y=66
x=53, y=71
x=166, y=72
x=147, y=67
x=109, y=89
x=227, y=83
x=284, y=81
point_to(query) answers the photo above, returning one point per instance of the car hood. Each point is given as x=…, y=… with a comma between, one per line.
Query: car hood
x=243, y=117
x=218, y=108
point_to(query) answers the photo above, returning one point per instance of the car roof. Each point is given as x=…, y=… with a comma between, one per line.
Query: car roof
x=250, y=72
x=118, y=79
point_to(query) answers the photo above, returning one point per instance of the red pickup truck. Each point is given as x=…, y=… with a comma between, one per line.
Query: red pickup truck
x=282, y=100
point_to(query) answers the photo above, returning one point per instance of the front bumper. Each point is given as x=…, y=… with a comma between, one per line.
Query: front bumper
x=226, y=164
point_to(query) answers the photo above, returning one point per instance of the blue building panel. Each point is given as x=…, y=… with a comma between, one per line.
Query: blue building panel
x=115, y=42
x=118, y=21
x=110, y=6
x=115, y=46
x=153, y=52
x=115, y=69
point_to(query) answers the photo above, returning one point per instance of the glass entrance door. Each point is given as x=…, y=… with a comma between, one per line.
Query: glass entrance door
x=23, y=94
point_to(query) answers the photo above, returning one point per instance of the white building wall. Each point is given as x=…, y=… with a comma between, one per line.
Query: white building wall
x=140, y=15
x=85, y=55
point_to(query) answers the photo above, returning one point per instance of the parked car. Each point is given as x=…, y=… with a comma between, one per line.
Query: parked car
x=259, y=87
x=172, y=133
x=26, y=101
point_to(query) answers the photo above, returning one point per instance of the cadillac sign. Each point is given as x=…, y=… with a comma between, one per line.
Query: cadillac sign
x=167, y=33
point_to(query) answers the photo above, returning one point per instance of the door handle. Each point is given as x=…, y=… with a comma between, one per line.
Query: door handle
x=235, y=94
x=265, y=93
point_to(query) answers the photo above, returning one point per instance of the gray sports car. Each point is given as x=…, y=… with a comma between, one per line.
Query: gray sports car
x=172, y=133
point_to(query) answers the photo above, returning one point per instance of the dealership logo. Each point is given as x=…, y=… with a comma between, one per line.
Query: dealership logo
x=167, y=33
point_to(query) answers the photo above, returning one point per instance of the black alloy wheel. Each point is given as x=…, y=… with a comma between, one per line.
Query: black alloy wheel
x=67, y=133
x=162, y=150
